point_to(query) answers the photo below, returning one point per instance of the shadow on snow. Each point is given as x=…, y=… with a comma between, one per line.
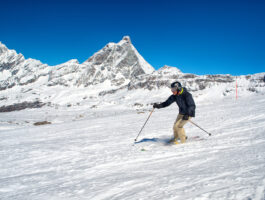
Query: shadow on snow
x=155, y=140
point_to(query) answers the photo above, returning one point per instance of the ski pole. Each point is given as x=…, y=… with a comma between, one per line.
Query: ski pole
x=200, y=127
x=144, y=124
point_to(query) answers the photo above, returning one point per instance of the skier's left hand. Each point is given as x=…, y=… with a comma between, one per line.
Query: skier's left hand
x=156, y=105
x=185, y=117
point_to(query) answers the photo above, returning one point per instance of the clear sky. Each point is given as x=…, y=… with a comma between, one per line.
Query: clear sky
x=197, y=36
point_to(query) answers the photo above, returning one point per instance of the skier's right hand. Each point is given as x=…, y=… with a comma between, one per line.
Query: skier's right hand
x=156, y=105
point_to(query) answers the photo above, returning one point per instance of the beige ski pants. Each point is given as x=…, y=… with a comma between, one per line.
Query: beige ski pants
x=179, y=132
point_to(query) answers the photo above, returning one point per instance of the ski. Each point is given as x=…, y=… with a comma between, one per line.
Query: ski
x=165, y=142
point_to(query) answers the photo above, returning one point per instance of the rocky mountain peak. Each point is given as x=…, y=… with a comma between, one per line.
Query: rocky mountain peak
x=117, y=62
x=3, y=48
x=126, y=39
x=169, y=70
x=9, y=59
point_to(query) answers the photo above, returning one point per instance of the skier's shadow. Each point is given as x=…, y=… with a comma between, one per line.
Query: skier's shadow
x=147, y=140
x=152, y=140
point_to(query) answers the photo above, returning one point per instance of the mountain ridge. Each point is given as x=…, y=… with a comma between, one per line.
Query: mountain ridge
x=113, y=72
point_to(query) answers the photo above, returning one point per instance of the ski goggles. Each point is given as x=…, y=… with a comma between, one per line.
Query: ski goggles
x=174, y=89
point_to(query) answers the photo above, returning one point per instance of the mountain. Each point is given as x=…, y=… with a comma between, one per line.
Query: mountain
x=117, y=73
x=115, y=62
x=16, y=70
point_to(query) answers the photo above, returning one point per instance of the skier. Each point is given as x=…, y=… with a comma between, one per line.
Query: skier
x=186, y=106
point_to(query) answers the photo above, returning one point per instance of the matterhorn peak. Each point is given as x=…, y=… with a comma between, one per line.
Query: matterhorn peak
x=118, y=59
x=126, y=39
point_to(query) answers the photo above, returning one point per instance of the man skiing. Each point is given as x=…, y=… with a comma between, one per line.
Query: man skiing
x=186, y=106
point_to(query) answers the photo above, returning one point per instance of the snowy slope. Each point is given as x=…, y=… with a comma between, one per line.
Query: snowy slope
x=89, y=154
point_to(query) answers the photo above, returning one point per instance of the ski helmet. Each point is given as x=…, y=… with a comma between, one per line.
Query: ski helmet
x=176, y=86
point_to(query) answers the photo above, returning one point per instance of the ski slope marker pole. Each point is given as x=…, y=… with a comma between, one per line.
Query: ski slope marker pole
x=236, y=90
x=200, y=127
x=144, y=124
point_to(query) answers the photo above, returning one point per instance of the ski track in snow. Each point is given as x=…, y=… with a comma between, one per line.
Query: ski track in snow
x=94, y=157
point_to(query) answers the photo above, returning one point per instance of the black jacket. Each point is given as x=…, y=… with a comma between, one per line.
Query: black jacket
x=185, y=103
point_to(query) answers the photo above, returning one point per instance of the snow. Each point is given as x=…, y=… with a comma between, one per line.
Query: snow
x=90, y=153
x=148, y=69
x=168, y=70
x=5, y=74
x=3, y=47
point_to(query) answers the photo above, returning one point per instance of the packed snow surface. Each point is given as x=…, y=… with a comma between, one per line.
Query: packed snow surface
x=90, y=153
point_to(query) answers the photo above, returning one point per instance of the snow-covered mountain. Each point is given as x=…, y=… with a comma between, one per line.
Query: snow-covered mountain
x=116, y=74
x=117, y=63
x=111, y=67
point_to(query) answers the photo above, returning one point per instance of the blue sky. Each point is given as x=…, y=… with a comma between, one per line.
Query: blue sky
x=197, y=36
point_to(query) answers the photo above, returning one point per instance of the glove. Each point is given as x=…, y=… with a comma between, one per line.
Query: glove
x=185, y=117
x=156, y=105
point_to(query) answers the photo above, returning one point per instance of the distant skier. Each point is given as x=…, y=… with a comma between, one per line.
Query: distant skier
x=186, y=106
